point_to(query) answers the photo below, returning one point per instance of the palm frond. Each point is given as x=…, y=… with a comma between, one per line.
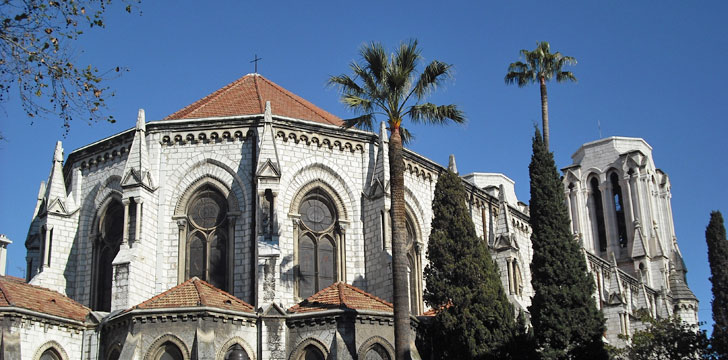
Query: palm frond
x=364, y=122
x=375, y=60
x=346, y=84
x=565, y=76
x=433, y=114
x=433, y=75
x=357, y=103
x=406, y=135
x=538, y=63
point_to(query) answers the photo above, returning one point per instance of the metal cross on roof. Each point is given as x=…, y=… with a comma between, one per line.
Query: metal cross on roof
x=256, y=62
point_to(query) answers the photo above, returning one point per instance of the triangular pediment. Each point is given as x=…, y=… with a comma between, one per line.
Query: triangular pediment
x=135, y=177
x=56, y=206
x=274, y=310
x=268, y=170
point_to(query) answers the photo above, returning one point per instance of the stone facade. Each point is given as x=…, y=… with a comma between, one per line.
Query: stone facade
x=619, y=204
x=249, y=187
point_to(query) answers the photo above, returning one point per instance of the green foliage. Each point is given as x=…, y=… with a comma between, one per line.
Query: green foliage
x=474, y=318
x=390, y=86
x=36, y=57
x=540, y=64
x=666, y=339
x=565, y=319
x=718, y=257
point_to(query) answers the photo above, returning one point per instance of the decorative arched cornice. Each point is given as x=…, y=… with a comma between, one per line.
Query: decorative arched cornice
x=336, y=178
x=167, y=338
x=298, y=351
x=205, y=181
x=51, y=345
x=375, y=340
x=188, y=173
x=228, y=344
x=331, y=192
x=100, y=213
x=593, y=173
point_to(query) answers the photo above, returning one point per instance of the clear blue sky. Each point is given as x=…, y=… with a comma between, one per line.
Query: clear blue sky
x=646, y=69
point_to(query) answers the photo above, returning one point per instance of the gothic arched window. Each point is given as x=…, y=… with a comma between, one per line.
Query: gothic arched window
x=413, y=268
x=236, y=352
x=376, y=352
x=317, y=243
x=596, y=194
x=207, y=237
x=108, y=241
x=168, y=351
x=311, y=353
x=619, y=210
x=50, y=354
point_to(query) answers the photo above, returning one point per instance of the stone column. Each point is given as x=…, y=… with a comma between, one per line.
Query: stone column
x=182, y=249
x=231, y=253
x=138, y=219
x=125, y=236
x=510, y=275
x=47, y=243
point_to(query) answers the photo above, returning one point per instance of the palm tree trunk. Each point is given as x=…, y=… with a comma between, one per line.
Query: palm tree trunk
x=544, y=112
x=399, y=260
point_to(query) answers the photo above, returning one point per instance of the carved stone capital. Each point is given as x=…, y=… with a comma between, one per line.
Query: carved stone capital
x=181, y=223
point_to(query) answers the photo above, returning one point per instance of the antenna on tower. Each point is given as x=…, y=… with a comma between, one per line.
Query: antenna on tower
x=599, y=126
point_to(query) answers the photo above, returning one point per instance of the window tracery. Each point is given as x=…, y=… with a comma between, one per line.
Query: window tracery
x=207, y=234
x=318, y=243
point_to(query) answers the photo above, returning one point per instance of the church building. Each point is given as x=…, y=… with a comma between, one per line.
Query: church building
x=250, y=225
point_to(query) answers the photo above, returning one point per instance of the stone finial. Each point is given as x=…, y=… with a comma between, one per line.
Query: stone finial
x=502, y=193
x=451, y=164
x=58, y=153
x=268, y=116
x=141, y=118
x=4, y=242
x=383, y=132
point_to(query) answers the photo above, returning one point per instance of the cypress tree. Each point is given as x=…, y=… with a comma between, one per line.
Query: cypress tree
x=566, y=322
x=474, y=318
x=718, y=258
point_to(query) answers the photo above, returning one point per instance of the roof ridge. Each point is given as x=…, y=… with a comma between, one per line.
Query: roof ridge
x=319, y=111
x=187, y=109
x=197, y=285
x=342, y=298
x=156, y=297
x=23, y=283
x=372, y=296
x=221, y=291
x=257, y=92
x=6, y=295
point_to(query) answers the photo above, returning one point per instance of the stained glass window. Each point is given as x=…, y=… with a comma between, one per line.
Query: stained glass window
x=207, y=238
x=317, y=245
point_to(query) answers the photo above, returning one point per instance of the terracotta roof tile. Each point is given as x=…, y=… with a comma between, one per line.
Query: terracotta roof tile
x=247, y=96
x=341, y=296
x=195, y=293
x=17, y=293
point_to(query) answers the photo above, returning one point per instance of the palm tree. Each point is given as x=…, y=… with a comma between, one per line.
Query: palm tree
x=540, y=66
x=389, y=86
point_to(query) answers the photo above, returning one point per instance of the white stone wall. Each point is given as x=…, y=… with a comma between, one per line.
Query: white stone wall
x=70, y=340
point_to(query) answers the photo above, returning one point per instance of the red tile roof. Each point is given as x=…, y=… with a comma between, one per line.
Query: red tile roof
x=195, y=293
x=15, y=292
x=341, y=296
x=247, y=96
